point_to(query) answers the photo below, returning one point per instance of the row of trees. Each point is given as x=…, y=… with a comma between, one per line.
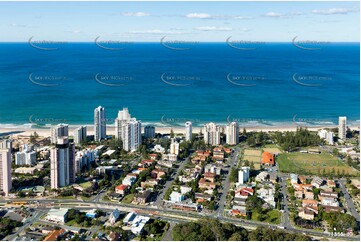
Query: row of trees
x=212, y=230
x=289, y=141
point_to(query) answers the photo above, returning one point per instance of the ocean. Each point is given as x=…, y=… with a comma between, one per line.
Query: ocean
x=273, y=84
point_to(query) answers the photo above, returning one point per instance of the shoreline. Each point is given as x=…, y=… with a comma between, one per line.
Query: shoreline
x=45, y=132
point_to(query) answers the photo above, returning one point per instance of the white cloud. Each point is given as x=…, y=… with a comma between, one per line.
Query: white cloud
x=136, y=14
x=242, y=17
x=19, y=25
x=333, y=11
x=155, y=31
x=274, y=15
x=213, y=28
x=199, y=15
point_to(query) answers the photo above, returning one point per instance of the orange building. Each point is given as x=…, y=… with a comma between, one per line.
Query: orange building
x=54, y=235
x=268, y=159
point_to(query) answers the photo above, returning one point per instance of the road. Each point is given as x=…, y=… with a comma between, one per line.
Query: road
x=350, y=204
x=174, y=216
x=28, y=222
x=233, y=160
x=168, y=184
x=286, y=212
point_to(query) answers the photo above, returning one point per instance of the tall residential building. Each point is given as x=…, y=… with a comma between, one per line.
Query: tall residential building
x=100, y=124
x=80, y=134
x=149, y=132
x=243, y=174
x=5, y=166
x=212, y=134
x=132, y=137
x=326, y=135
x=232, y=133
x=123, y=117
x=62, y=164
x=25, y=158
x=188, y=126
x=58, y=131
x=6, y=144
x=174, y=147
x=129, y=130
x=342, y=126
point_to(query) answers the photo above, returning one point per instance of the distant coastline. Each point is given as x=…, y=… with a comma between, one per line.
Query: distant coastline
x=45, y=131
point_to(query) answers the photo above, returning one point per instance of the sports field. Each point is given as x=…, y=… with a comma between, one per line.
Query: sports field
x=304, y=163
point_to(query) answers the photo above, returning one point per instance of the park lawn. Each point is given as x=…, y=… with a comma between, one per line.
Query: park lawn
x=274, y=216
x=254, y=159
x=85, y=185
x=252, y=152
x=273, y=150
x=304, y=163
x=128, y=198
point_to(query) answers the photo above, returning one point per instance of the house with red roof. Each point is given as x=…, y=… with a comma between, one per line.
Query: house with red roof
x=121, y=189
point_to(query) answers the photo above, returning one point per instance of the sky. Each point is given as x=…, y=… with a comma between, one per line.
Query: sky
x=188, y=21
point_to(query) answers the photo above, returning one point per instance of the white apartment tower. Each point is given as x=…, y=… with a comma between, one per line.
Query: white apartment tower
x=326, y=135
x=5, y=166
x=80, y=134
x=62, y=164
x=123, y=117
x=100, y=124
x=59, y=131
x=132, y=135
x=188, y=126
x=232, y=133
x=243, y=174
x=129, y=130
x=342, y=127
x=212, y=134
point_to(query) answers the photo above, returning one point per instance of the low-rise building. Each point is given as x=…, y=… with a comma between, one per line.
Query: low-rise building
x=310, y=203
x=268, y=159
x=55, y=235
x=121, y=189
x=57, y=215
x=130, y=179
x=114, y=216
x=143, y=198
x=176, y=197
x=317, y=182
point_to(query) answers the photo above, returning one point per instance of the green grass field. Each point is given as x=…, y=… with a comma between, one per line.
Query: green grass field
x=85, y=185
x=128, y=198
x=273, y=216
x=304, y=163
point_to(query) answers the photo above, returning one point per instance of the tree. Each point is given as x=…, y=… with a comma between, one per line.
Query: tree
x=233, y=176
x=171, y=133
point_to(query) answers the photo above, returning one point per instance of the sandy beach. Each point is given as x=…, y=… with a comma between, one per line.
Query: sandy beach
x=45, y=132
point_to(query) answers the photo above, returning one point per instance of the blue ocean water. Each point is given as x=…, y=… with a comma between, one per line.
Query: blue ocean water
x=275, y=83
